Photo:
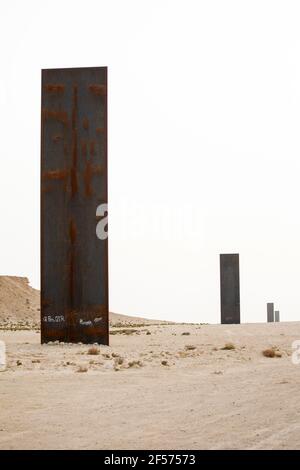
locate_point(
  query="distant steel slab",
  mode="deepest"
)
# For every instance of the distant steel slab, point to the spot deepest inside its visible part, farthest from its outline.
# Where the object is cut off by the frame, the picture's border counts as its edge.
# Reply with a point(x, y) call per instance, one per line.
point(277, 315)
point(230, 288)
point(74, 261)
point(270, 312)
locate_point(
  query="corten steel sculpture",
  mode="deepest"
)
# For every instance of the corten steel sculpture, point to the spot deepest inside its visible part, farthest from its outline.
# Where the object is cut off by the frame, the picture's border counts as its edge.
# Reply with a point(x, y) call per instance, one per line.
point(230, 288)
point(277, 316)
point(74, 260)
point(270, 312)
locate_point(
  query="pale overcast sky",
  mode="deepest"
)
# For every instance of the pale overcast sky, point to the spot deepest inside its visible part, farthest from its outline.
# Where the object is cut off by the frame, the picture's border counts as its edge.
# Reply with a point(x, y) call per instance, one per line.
point(204, 145)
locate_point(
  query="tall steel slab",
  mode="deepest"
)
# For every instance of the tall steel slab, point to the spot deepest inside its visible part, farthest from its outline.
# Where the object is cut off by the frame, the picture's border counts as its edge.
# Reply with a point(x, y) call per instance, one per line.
point(74, 259)
point(230, 288)
point(270, 312)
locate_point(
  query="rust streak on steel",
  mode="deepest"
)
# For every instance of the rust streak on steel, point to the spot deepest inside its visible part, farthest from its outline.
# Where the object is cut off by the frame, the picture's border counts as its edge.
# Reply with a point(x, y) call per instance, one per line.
point(72, 236)
point(89, 172)
point(84, 148)
point(57, 115)
point(85, 123)
point(74, 177)
point(98, 90)
point(55, 174)
point(72, 232)
point(66, 150)
point(100, 130)
point(92, 148)
point(54, 88)
point(46, 302)
point(57, 138)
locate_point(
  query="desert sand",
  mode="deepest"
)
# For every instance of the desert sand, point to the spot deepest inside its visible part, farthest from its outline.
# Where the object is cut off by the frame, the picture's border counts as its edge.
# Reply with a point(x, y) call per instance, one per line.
point(157, 386)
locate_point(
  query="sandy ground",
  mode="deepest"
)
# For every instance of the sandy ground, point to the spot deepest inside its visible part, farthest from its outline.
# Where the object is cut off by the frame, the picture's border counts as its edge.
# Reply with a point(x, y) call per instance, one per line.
point(153, 388)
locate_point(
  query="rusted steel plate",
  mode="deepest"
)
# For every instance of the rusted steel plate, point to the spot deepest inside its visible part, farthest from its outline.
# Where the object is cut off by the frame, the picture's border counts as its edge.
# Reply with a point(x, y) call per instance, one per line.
point(270, 312)
point(230, 288)
point(74, 260)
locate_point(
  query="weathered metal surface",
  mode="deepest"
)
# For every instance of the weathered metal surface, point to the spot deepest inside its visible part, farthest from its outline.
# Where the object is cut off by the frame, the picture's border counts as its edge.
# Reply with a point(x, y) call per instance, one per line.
point(277, 316)
point(270, 312)
point(230, 288)
point(74, 261)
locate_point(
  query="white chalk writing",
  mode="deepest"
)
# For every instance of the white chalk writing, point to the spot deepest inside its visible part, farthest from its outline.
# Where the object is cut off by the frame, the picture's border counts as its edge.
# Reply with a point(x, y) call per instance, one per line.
point(54, 318)
point(85, 323)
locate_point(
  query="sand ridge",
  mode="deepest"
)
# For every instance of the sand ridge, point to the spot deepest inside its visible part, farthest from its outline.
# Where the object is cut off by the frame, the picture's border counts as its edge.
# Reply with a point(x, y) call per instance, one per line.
point(19, 303)
point(20, 307)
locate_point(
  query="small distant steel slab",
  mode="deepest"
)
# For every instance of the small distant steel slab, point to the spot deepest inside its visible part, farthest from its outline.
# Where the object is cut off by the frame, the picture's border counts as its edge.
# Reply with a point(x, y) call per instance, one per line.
point(230, 288)
point(74, 261)
point(270, 312)
point(277, 316)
